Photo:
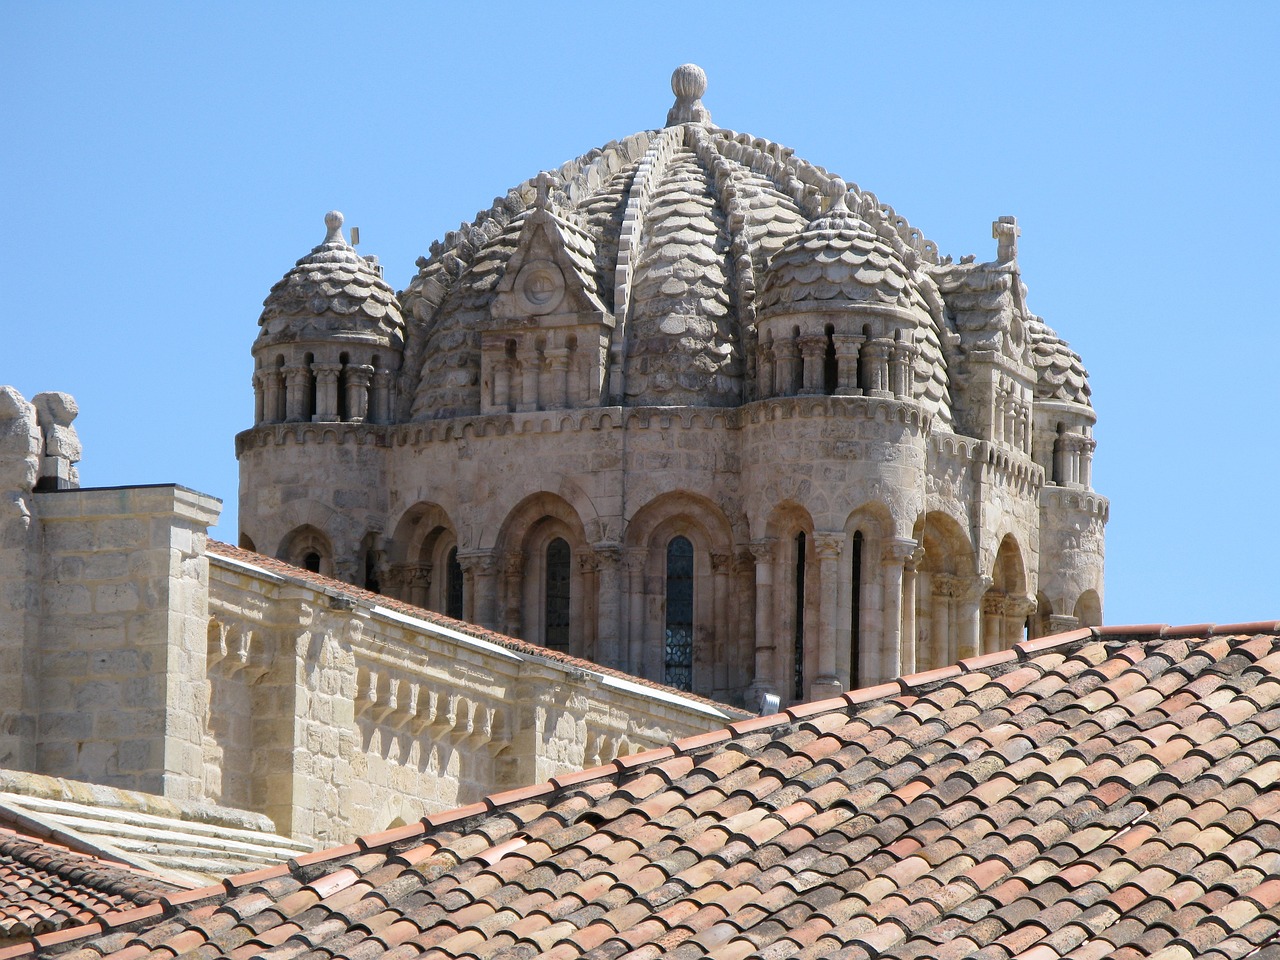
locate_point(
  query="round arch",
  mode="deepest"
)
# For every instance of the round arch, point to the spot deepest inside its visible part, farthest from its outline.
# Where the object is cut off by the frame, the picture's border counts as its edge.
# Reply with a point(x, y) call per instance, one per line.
point(946, 570)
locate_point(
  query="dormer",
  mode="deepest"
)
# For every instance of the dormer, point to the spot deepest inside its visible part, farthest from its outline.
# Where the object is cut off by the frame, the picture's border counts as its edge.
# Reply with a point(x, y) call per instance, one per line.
point(547, 343)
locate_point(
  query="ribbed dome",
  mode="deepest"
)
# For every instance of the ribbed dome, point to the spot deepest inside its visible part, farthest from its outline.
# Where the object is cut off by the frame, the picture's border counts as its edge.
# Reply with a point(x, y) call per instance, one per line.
point(684, 225)
point(332, 293)
point(1060, 373)
point(837, 259)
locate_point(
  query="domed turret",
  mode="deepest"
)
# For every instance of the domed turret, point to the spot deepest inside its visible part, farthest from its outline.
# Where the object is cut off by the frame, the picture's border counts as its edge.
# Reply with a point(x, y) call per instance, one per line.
point(842, 312)
point(331, 337)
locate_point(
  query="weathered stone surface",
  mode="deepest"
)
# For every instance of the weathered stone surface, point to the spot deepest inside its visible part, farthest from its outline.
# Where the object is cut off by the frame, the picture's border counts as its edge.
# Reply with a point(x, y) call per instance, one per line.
point(694, 336)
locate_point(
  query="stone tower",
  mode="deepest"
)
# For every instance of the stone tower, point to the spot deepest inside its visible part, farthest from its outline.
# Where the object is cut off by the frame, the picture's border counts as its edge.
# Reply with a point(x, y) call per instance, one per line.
point(692, 407)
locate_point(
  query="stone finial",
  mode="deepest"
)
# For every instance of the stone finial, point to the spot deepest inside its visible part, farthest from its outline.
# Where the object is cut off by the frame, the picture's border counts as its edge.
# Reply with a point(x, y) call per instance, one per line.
point(1005, 232)
point(688, 83)
point(21, 444)
point(54, 412)
point(542, 184)
point(836, 191)
point(333, 223)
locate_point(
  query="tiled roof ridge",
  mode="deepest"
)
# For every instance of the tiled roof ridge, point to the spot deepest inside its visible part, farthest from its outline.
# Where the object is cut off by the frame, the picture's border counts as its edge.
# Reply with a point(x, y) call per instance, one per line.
point(418, 845)
point(348, 590)
point(103, 874)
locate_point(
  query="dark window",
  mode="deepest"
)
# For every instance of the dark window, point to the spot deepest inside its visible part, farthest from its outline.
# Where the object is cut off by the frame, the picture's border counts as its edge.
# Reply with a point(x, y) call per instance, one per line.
point(830, 366)
point(855, 614)
point(679, 637)
point(558, 557)
point(798, 692)
point(371, 573)
point(311, 562)
point(453, 586)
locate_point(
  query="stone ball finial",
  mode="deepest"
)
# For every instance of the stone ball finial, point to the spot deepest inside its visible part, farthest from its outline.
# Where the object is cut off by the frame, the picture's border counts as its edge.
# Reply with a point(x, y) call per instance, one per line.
point(333, 221)
point(688, 83)
point(836, 190)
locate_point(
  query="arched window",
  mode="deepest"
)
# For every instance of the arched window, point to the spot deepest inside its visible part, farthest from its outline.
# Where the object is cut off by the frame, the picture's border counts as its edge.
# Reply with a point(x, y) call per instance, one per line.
point(855, 612)
point(453, 586)
point(798, 691)
point(311, 562)
point(557, 595)
point(679, 633)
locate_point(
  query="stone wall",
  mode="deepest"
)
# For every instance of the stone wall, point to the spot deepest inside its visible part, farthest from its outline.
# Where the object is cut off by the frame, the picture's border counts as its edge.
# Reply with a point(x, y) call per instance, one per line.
point(360, 712)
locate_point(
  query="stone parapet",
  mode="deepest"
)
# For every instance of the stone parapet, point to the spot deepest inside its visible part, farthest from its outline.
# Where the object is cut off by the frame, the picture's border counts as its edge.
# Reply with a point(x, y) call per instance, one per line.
point(335, 714)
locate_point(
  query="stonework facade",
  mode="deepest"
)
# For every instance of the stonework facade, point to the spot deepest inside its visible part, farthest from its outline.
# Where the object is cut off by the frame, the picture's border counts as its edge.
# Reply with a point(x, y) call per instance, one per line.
point(689, 407)
point(138, 655)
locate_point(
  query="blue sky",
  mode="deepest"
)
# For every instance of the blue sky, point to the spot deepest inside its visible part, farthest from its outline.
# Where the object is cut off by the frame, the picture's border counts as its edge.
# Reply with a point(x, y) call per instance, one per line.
point(165, 163)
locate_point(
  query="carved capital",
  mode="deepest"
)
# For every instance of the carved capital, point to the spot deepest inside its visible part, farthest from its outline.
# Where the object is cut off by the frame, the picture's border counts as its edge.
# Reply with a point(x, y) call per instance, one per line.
point(762, 549)
point(721, 562)
point(828, 545)
point(899, 550)
point(477, 563)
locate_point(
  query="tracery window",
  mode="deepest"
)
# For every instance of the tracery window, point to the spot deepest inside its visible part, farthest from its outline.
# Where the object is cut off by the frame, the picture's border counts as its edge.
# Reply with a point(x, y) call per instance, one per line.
point(453, 585)
point(557, 595)
point(679, 627)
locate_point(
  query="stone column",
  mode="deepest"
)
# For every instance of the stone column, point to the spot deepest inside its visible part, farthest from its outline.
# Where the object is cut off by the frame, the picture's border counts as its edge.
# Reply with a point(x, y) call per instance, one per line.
point(1087, 446)
point(297, 393)
point(875, 366)
point(896, 553)
point(382, 396)
point(326, 391)
point(610, 605)
point(721, 565)
point(827, 548)
point(480, 601)
point(272, 396)
point(584, 608)
point(634, 560)
point(992, 621)
point(513, 591)
point(558, 375)
point(909, 638)
point(762, 551)
point(942, 651)
point(764, 375)
point(848, 346)
point(529, 370)
point(502, 385)
point(970, 596)
point(813, 351)
point(900, 368)
point(259, 396)
point(358, 377)
point(785, 368)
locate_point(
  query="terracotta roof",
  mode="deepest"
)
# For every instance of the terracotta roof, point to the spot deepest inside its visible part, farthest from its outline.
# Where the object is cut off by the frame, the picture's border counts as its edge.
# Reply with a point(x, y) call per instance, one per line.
point(1105, 792)
point(344, 589)
point(45, 886)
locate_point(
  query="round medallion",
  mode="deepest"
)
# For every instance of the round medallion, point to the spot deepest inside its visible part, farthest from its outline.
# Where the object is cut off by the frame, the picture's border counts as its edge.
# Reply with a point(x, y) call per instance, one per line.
point(541, 286)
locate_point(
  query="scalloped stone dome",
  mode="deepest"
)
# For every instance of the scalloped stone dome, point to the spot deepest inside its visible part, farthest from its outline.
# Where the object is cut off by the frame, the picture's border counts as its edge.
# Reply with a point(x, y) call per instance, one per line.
point(1060, 373)
point(332, 293)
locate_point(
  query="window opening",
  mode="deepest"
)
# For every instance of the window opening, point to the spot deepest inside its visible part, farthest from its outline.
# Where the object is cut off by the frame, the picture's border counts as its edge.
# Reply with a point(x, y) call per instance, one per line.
point(371, 573)
point(798, 691)
point(311, 562)
point(830, 367)
point(679, 634)
point(453, 586)
point(557, 599)
point(855, 614)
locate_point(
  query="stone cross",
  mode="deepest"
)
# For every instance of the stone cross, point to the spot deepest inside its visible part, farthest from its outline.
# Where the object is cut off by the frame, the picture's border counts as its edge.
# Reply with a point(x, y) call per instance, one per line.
point(1005, 232)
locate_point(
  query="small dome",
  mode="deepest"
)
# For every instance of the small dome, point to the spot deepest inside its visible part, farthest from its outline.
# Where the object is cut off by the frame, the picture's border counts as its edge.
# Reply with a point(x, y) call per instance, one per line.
point(1060, 373)
point(837, 258)
point(332, 292)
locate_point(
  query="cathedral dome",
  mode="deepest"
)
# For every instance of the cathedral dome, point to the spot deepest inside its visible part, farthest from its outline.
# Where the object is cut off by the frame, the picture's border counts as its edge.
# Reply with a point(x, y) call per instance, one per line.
point(332, 293)
point(1060, 373)
point(685, 225)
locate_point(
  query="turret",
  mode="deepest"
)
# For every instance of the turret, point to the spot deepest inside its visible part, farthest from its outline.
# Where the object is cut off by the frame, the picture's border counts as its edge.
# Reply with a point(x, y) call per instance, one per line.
point(331, 339)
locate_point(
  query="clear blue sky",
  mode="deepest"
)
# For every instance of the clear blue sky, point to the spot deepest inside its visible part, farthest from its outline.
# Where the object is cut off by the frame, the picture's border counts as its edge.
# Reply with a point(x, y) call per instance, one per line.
point(164, 163)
